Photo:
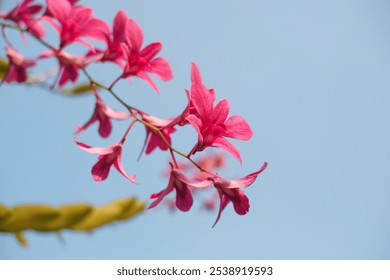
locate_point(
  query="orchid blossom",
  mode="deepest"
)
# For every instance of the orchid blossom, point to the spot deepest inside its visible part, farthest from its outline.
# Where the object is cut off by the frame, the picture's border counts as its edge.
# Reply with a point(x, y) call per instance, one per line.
point(153, 139)
point(182, 184)
point(230, 191)
point(114, 50)
point(26, 13)
point(75, 22)
point(69, 65)
point(103, 115)
point(211, 122)
point(18, 65)
point(108, 156)
point(141, 61)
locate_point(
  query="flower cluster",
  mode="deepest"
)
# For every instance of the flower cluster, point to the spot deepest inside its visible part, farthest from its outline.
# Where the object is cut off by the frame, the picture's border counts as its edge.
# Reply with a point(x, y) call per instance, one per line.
point(124, 47)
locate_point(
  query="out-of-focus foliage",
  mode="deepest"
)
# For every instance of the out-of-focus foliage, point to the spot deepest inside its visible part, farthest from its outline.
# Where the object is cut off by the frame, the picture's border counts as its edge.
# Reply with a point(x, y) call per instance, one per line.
point(3, 67)
point(80, 89)
point(76, 217)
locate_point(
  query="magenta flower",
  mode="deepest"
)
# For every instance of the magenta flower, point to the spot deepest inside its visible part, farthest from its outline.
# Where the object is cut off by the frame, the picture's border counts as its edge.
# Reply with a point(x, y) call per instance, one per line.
point(230, 191)
point(26, 13)
point(153, 139)
point(114, 50)
point(68, 65)
point(211, 122)
point(182, 184)
point(113, 41)
point(108, 156)
point(140, 62)
point(103, 115)
point(190, 108)
point(18, 65)
point(75, 21)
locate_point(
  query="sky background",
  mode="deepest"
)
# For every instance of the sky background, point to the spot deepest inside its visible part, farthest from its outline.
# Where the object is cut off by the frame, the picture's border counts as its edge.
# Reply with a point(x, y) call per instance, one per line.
point(312, 79)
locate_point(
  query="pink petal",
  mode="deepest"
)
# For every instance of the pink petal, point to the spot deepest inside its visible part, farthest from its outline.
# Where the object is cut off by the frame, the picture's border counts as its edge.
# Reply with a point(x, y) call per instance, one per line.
point(195, 74)
point(118, 165)
point(81, 15)
point(96, 29)
point(202, 101)
point(226, 145)
point(184, 199)
point(213, 94)
point(195, 182)
point(101, 169)
point(18, 59)
point(143, 75)
point(46, 54)
point(105, 126)
point(33, 9)
point(162, 193)
point(157, 121)
point(115, 114)
point(61, 10)
point(134, 35)
point(161, 68)
point(240, 201)
point(150, 50)
point(69, 72)
point(119, 26)
point(238, 128)
point(21, 74)
point(221, 111)
point(95, 150)
point(153, 143)
point(156, 141)
point(223, 202)
point(36, 27)
point(247, 180)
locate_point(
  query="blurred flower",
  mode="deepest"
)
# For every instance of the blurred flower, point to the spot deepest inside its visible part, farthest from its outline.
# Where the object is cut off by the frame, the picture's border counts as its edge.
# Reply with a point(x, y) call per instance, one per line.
point(26, 13)
point(18, 65)
point(182, 184)
point(75, 21)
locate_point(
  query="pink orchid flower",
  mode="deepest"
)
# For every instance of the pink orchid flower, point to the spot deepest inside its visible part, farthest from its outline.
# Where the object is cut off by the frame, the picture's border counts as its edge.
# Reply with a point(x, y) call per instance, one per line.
point(103, 115)
point(182, 184)
point(68, 65)
point(211, 122)
point(140, 62)
point(153, 139)
point(230, 191)
point(190, 109)
point(18, 65)
point(108, 156)
point(113, 41)
point(114, 50)
point(26, 13)
point(75, 21)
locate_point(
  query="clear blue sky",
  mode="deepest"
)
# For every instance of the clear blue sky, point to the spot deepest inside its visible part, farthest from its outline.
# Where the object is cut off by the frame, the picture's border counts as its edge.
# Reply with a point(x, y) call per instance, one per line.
point(311, 77)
